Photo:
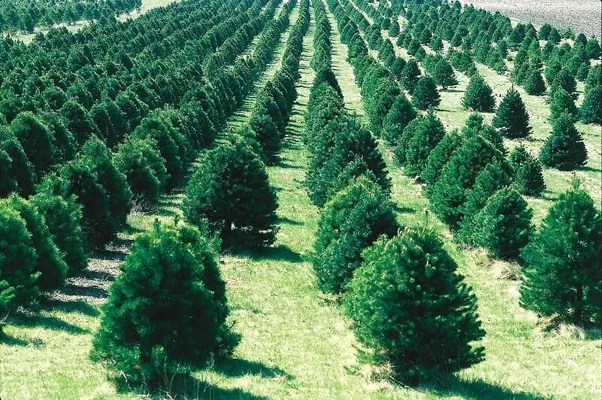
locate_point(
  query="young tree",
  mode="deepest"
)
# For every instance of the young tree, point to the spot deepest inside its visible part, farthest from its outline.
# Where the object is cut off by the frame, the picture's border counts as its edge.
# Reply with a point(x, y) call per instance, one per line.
point(266, 133)
point(528, 174)
point(230, 189)
point(166, 311)
point(478, 96)
point(511, 117)
point(425, 138)
point(591, 109)
point(410, 75)
point(564, 149)
point(437, 159)
point(563, 271)
point(444, 74)
point(503, 226)
point(410, 307)
point(20, 169)
point(426, 94)
point(398, 117)
point(534, 84)
point(36, 140)
point(565, 80)
point(562, 102)
point(354, 218)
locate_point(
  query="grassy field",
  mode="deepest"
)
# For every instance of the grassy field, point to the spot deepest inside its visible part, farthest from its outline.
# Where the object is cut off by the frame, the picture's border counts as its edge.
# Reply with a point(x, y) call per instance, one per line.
point(295, 342)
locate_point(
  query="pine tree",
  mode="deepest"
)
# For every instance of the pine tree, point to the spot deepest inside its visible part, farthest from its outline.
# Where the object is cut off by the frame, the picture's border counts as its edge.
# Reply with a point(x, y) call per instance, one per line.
point(440, 155)
point(562, 102)
point(563, 271)
point(50, 263)
point(564, 149)
point(266, 133)
point(458, 176)
point(478, 96)
point(534, 84)
point(410, 75)
point(426, 94)
point(591, 109)
point(354, 218)
point(167, 310)
point(21, 169)
point(398, 117)
point(565, 80)
point(503, 226)
point(511, 117)
point(444, 74)
point(412, 309)
point(397, 67)
point(528, 174)
point(424, 139)
point(230, 189)
point(36, 140)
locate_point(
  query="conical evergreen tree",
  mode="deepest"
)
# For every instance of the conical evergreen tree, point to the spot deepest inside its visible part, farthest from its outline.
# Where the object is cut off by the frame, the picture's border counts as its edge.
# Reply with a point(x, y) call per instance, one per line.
point(21, 169)
point(266, 132)
point(36, 140)
point(534, 84)
point(563, 269)
point(562, 102)
point(425, 138)
point(503, 226)
point(398, 117)
point(591, 109)
point(565, 80)
point(528, 175)
point(411, 307)
point(354, 218)
point(440, 155)
point(458, 176)
point(444, 74)
point(426, 94)
point(182, 320)
point(410, 75)
point(478, 96)
point(564, 148)
point(230, 189)
point(511, 117)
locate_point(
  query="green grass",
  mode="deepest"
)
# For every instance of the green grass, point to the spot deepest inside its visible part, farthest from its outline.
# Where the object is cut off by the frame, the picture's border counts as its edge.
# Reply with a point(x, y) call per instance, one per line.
point(295, 342)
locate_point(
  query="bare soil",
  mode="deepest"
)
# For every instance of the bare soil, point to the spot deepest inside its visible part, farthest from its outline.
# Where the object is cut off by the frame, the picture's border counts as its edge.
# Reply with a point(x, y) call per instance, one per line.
point(579, 15)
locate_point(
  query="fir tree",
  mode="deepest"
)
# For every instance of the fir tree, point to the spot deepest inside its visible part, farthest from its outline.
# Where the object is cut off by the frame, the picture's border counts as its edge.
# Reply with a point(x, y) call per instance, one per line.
point(354, 218)
point(478, 96)
point(167, 310)
point(534, 84)
point(36, 140)
point(565, 80)
point(20, 168)
point(230, 189)
point(444, 74)
point(425, 138)
point(503, 226)
point(564, 149)
point(403, 297)
point(437, 159)
point(562, 102)
point(266, 133)
point(398, 117)
point(426, 94)
point(528, 178)
point(511, 117)
point(410, 75)
point(591, 108)
point(563, 270)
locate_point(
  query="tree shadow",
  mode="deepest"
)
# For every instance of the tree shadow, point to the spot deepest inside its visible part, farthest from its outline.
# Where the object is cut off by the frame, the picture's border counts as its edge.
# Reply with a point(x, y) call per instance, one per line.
point(86, 291)
point(403, 210)
point(285, 165)
point(277, 253)
point(71, 306)
point(189, 387)
point(130, 230)
point(238, 367)
point(12, 341)
point(477, 389)
point(288, 221)
point(589, 169)
point(33, 320)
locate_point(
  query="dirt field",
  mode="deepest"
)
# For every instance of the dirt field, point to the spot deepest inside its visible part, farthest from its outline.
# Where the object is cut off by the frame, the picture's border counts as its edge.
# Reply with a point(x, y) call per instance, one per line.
point(580, 15)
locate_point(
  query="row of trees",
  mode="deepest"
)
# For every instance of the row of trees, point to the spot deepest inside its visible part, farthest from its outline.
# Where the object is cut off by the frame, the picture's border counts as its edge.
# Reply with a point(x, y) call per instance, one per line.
point(18, 15)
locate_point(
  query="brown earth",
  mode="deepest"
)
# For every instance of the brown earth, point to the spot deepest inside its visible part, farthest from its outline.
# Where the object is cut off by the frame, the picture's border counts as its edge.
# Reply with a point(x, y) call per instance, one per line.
point(579, 15)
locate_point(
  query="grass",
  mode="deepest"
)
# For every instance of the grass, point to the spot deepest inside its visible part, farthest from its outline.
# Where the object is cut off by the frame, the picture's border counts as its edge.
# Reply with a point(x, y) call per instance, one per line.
point(295, 343)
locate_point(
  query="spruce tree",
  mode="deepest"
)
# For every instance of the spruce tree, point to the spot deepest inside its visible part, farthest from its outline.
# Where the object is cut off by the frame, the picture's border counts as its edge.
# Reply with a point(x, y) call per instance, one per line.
point(426, 94)
point(410, 75)
point(230, 189)
point(562, 102)
point(166, 311)
point(563, 270)
point(398, 117)
point(591, 108)
point(50, 263)
point(411, 308)
point(458, 176)
point(503, 226)
point(425, 138)
point(534, 84)
point(444, 74)
point(478, 96)
point(564, 149)
point(511, 117)
point(354, 218)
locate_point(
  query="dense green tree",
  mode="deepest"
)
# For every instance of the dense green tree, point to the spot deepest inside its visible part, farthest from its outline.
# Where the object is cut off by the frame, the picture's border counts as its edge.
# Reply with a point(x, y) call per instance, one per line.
point(398, 117)
point(562, 271)
point(565, 80)
point(425, 138)
point(230, 189)
point(426, 94)
point(354, 218)
point(20, 168)
point(410, 75)
point(437, 159)
point(35, 139)
point(562, 102)
point(478, 96)
point(444, 74)
point(528, 175)
point(182, 321)
point(511, 117)
point(534, 84)
point(411, 308)
point(564, 149)
point(591, 108)
point(266, 132)
point(79, 123)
